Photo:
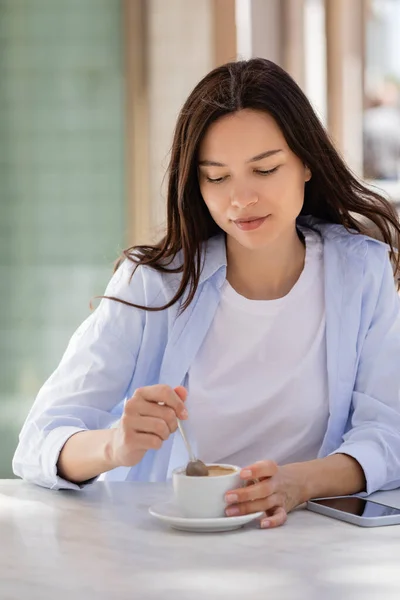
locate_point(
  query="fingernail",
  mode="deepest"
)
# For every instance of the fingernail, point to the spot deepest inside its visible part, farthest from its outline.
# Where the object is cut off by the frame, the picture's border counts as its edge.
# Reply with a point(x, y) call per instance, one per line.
point(245, 473)
point(231, 498)
point(184, 414)
point(233, 511)
point(265, 524)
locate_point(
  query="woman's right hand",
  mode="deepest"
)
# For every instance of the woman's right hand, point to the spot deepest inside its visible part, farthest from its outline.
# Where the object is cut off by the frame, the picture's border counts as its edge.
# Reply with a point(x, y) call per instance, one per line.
point(149, 418)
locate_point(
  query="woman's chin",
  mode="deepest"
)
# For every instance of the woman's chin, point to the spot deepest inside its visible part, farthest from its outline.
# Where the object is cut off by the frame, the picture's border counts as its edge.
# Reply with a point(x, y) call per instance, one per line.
point(251, 242)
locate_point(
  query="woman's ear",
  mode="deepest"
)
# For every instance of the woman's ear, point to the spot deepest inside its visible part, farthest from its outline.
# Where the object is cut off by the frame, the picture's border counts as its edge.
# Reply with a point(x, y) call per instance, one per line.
point(307, 173)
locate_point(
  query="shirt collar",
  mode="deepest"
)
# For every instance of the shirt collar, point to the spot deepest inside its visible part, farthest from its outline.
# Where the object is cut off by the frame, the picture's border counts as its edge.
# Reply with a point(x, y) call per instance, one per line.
point(214, 249)
point(214, 259)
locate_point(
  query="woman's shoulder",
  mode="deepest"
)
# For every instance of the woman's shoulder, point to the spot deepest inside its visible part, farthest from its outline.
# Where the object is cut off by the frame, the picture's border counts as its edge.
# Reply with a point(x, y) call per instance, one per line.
point(212, 258)
point(339, 238)
point(364, 259)
point(133, 278)
point(141, 284)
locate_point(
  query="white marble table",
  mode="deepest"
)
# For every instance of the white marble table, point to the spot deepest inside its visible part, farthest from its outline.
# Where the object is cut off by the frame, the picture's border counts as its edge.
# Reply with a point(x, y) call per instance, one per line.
point(101, 544)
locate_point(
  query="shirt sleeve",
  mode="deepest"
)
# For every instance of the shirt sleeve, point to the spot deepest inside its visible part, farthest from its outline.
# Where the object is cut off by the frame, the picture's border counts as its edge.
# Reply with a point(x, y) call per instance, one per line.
point(374, 436)
point(91, 379)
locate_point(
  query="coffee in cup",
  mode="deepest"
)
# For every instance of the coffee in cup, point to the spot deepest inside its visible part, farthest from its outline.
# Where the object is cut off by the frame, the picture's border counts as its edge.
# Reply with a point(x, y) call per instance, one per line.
point(218, 471)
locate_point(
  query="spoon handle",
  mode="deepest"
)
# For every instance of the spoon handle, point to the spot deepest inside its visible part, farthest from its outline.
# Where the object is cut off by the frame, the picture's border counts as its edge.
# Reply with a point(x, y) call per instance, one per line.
point(186, 441)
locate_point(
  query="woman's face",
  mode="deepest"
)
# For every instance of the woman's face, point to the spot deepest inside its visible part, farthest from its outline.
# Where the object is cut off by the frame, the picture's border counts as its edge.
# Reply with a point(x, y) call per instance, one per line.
point(251, 182)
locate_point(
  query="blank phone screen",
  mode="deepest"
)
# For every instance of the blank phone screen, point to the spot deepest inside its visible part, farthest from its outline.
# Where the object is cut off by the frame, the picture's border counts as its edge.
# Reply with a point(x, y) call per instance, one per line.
point(359, 506)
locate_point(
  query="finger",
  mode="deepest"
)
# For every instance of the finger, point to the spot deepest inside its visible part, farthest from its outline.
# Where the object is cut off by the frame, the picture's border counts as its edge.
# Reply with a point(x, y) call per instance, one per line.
point(151, 425)
point(276, 517)
point(182, 392)
point(148, 441)
point(259, 470)
point(246, 508)
point(160, 393)
point(167, 414)
point(257, 491)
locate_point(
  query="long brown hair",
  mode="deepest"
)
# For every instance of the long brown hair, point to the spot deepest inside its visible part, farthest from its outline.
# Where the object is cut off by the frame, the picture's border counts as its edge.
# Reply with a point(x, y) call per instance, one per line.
point(333, 194)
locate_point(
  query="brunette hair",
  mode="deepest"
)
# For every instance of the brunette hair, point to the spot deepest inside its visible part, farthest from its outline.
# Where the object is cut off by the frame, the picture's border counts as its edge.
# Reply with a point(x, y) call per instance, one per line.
point(333, 194)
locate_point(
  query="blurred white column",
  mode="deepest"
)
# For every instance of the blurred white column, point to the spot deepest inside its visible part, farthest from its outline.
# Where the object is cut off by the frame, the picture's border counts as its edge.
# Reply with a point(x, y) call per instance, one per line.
point(293, 46)
point(315, 56)
point(180, 52)
point(277, 33)
point(225, 41)
point(243, 10)
point(169, 46)
point(266, 29)
point(345, 31)
point(138, 208)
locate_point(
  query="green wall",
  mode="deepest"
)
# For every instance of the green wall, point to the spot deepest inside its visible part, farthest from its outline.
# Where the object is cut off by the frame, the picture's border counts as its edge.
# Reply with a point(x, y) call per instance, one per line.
point(61, 185)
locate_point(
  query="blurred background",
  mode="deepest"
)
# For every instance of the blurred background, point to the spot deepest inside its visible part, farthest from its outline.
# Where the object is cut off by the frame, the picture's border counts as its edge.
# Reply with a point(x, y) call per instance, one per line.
point(89, 94)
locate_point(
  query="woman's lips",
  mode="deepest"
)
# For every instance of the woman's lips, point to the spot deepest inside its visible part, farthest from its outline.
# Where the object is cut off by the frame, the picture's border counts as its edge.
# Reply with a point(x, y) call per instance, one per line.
point(250, 224)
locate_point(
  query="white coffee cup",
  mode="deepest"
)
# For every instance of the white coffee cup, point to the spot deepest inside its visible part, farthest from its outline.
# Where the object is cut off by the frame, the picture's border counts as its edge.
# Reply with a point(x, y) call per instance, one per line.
point(204, 497)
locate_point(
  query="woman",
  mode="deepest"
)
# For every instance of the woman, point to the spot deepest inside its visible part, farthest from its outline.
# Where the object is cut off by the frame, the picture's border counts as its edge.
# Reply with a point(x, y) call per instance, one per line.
point(265, 314)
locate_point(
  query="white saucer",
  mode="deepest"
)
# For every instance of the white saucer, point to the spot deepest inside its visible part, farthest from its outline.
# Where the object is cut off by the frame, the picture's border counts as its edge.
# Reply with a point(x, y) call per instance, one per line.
point(170, 514)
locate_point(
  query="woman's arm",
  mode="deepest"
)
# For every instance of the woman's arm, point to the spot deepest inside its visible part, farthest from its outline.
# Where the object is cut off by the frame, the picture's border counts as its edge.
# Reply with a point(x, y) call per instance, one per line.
point(278, 490)
point(335, 475)
point(85, 455)
point(149, 418)
point(92, 378)
point(373, 437)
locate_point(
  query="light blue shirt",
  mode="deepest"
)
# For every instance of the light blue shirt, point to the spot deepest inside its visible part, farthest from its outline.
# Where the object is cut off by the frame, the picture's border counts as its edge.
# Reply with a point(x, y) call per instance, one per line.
point(120, 348)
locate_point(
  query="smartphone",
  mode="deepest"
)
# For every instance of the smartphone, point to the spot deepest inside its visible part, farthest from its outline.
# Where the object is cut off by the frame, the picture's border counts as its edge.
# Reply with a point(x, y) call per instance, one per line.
point(356, 510)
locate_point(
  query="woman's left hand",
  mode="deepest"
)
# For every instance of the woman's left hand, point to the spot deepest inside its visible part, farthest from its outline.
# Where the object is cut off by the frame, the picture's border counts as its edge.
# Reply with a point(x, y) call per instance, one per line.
point(277, 491)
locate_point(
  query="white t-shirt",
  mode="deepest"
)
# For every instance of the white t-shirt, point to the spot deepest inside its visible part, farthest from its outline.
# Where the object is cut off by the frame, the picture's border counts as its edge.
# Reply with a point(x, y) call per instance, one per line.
point(258, 386)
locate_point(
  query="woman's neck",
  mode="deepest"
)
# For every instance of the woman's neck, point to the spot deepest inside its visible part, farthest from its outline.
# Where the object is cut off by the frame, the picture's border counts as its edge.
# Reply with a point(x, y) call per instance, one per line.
point(267, 273)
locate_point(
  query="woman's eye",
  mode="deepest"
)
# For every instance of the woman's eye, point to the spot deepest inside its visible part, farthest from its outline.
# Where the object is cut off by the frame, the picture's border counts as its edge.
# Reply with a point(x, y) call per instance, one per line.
point(217, 180)
point(258, 171)
point(269, 172)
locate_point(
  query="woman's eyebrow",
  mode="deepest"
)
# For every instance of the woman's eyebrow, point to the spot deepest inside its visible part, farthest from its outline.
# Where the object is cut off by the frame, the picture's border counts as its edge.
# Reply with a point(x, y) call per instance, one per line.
point(214, 163)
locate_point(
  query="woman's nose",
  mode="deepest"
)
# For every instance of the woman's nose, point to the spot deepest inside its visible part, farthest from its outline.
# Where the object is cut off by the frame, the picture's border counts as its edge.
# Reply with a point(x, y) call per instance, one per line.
point(243, 198)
